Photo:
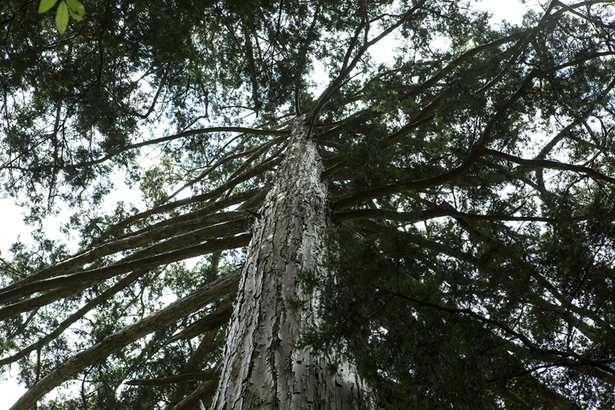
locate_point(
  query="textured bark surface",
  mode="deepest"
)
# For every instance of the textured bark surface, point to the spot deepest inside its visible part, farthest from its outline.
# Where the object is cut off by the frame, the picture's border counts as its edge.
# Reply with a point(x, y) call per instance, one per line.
point(262, 369)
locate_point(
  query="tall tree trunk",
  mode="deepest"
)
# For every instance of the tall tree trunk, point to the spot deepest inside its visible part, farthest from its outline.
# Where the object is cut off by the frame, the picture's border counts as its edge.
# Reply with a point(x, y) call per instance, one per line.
point(262, 368)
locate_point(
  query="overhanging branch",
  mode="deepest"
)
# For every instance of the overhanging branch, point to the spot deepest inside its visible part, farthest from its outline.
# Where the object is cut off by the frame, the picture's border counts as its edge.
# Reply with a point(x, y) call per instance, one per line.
point(89, 277)
point(178, 378)
point(543, 163)
point(206, 294)
point(430, 214)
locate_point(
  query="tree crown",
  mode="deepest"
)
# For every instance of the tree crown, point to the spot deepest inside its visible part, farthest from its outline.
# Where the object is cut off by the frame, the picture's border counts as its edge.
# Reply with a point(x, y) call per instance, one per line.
point(470, 187)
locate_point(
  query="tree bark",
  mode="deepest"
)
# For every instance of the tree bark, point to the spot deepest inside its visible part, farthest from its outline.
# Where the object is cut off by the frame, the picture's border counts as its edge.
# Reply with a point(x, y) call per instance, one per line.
point(262, 366)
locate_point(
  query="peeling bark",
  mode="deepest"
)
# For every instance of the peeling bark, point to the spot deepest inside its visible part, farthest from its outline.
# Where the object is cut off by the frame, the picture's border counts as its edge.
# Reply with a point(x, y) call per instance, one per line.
point(262, 368)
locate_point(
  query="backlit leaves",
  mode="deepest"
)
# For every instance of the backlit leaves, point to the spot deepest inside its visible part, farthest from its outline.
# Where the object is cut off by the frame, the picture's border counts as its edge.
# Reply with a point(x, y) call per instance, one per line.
point(66, 7)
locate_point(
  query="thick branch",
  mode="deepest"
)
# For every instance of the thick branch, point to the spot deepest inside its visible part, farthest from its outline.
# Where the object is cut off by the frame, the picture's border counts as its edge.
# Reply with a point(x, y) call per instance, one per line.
point(543, 163)
point(475, 153)
point(90, 277)
point(339, 80)
point(208, 209)
point(226, 229)
point(213, 194)
point(178, 378)
point(430, 214)
point(254, 153)
point(178, 136)
point(209, 322)
point(175, 311)
point(202, 394)
point(133, 241)
point(74, 317)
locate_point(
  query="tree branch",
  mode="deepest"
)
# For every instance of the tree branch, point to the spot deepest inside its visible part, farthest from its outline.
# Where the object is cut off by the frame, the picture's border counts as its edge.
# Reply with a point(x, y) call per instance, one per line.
point(210, 322)
point(132, 241)
point(339, 80)
point(89, 277)
point(430, 214)
point(175, 311)
point(208, 209)
point(178, 378)
point(543, 163)
point(74, 317)
point(475, 153)
point(178, 136)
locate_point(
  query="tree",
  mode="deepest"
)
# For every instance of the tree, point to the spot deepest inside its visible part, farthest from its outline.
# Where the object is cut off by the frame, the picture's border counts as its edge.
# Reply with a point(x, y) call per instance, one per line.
point(433, 231)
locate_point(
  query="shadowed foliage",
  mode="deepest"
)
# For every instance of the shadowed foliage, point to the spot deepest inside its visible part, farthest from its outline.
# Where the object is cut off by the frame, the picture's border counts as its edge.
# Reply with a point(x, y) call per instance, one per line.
point(471, 178)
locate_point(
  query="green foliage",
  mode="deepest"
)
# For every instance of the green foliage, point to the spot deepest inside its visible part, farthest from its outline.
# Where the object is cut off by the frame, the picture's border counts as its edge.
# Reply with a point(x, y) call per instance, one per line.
point(470, 262)
point(74, 7)
point(438, 314)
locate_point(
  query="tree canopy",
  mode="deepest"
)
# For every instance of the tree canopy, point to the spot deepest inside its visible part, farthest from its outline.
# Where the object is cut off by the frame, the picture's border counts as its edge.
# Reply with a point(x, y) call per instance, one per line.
point(471, 188)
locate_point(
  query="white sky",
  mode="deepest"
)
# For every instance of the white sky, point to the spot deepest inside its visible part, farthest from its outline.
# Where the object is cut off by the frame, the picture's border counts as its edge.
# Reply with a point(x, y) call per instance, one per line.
point(12, 225)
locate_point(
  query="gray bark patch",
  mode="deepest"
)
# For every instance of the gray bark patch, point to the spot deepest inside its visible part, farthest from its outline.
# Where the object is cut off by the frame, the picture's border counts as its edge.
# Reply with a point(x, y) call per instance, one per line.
point(262, 368)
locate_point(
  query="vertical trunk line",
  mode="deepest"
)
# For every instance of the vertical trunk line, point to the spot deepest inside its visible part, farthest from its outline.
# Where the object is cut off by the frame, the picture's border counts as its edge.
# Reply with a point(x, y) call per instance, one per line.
point(262, 368)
